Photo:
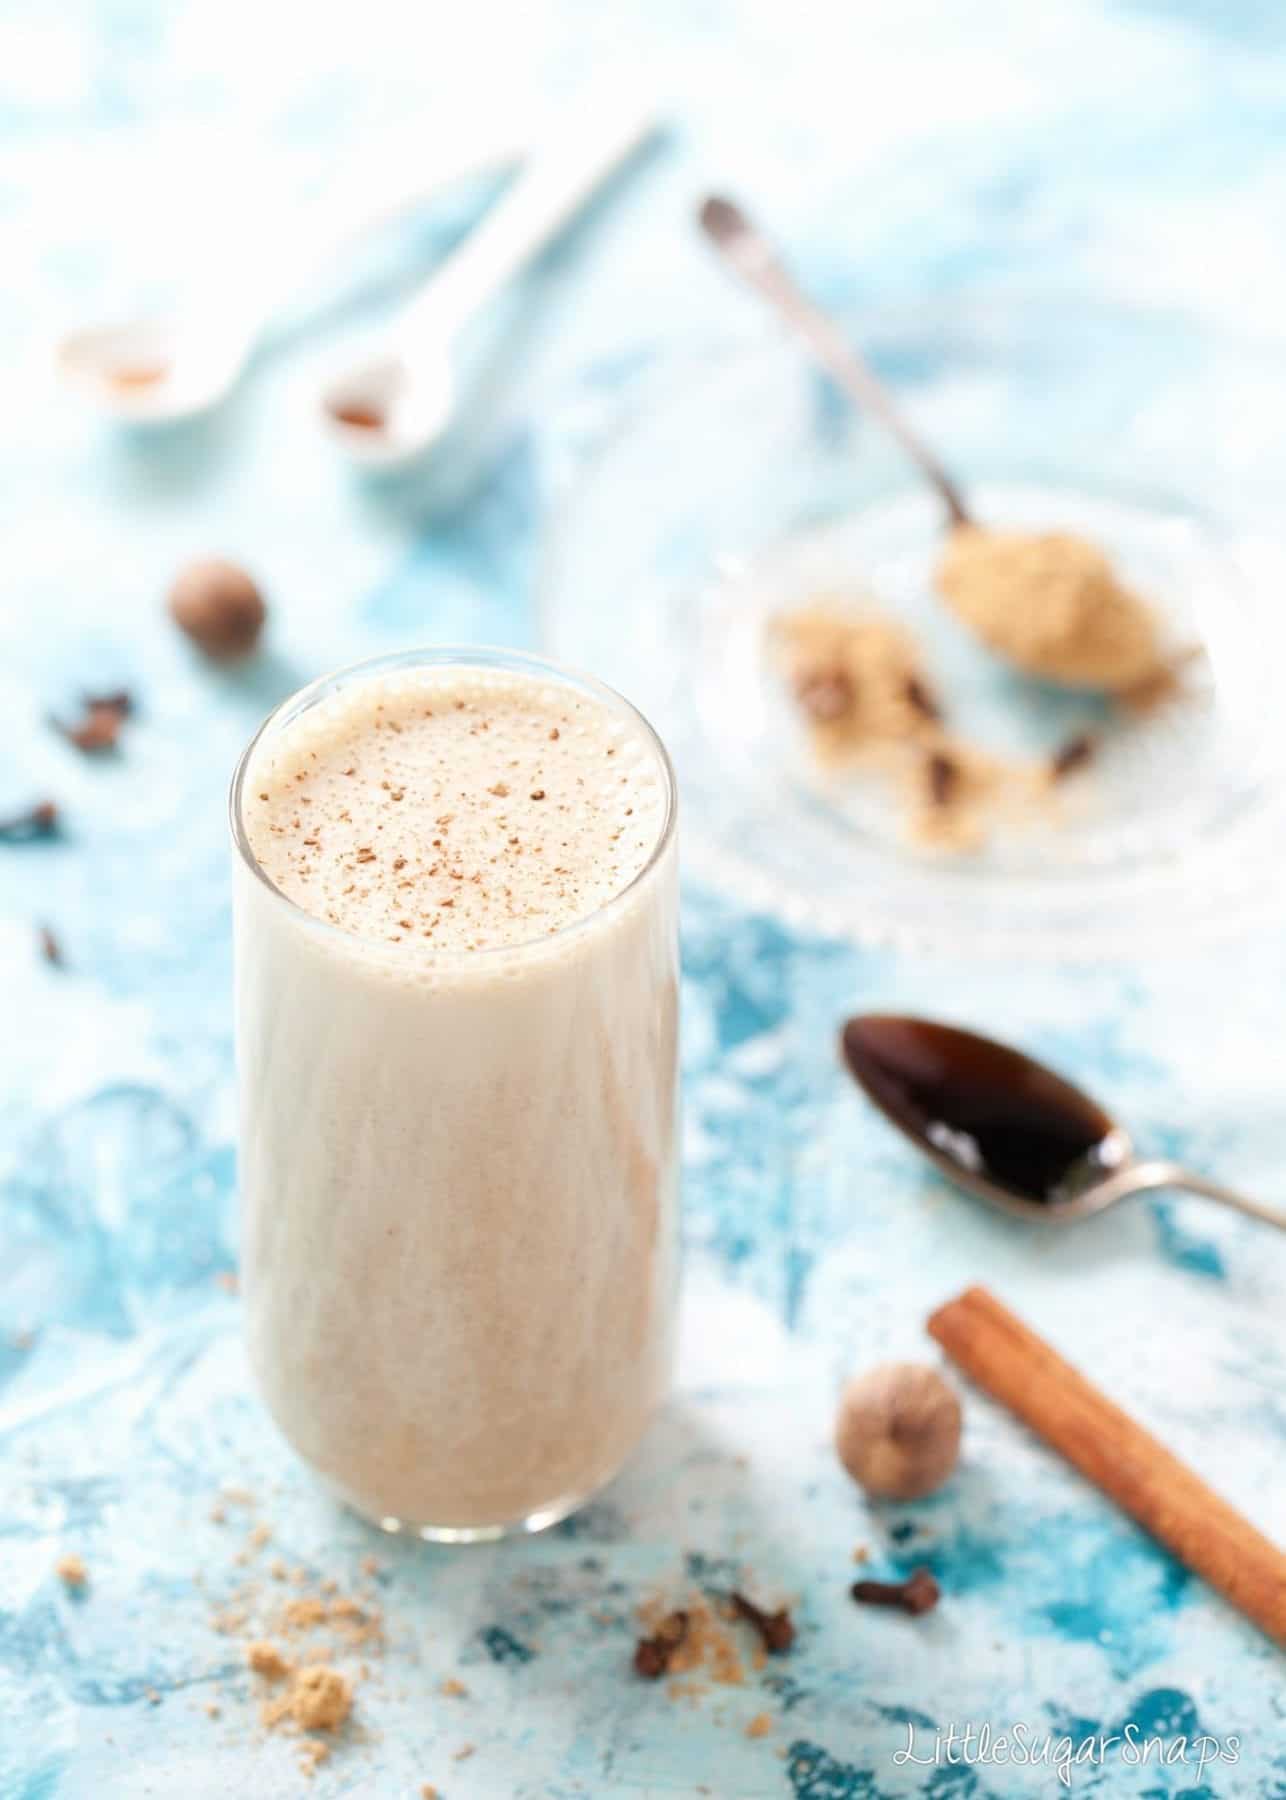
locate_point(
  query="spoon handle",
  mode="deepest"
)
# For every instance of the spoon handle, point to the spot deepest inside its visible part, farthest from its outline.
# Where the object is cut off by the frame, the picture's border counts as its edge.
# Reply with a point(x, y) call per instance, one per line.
point(752, 257)
point(396, 177)
point(544, 197)
point(1138, 1177)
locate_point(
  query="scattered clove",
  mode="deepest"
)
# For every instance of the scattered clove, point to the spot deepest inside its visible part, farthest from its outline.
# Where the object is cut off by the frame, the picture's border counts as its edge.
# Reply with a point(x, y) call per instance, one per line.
point(50, 948)
point(923, 702)
point(919, 1593)
point(118, 700)
point(652, 1654)
point(943, 774)
point(40, 821)
point(1074, 754)
point(776, 1629)
point(99, 726)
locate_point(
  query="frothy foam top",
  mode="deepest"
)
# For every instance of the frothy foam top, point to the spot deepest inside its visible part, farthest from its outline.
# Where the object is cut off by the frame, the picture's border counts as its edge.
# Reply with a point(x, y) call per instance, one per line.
point(453, 808)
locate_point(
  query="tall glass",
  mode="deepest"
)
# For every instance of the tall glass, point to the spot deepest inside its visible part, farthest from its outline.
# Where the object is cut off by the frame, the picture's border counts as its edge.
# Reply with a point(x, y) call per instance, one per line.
point(459, 1180)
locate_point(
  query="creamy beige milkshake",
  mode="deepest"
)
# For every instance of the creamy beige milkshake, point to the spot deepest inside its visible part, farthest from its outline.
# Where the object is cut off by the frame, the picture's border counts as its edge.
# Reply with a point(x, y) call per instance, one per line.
point(456, 1014)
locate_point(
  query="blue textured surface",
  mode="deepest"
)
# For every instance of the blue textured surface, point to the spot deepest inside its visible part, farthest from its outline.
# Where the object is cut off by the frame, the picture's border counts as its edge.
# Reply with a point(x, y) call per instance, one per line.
point(1138, 148)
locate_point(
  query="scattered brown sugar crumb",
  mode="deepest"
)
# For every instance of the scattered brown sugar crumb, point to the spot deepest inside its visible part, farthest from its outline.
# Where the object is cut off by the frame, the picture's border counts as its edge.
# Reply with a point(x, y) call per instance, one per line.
point(861, 1554)
point(759, 1726)
point(320, 1698)
point(453, 1689)
point(428, 1791)
point(259, 1535)
point(230, 1619)
point(213, 1710)
point(265, 1659)
point(355, 1623)
point(71, 1571)
point(312, 1754)
point(464, 1753)
point(304, 1614)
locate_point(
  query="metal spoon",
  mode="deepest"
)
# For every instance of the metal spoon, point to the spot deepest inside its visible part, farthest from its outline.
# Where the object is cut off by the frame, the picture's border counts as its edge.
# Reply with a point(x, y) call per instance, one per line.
point(1004, 1127)
point(755, 261)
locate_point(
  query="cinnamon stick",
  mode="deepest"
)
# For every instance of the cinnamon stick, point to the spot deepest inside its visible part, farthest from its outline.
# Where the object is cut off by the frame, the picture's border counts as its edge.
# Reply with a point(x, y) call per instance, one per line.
point(1209, 1536)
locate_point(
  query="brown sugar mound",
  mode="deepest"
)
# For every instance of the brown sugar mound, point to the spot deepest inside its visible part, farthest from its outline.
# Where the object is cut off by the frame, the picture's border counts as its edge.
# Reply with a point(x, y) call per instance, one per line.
point(860, 682)
point(319, 1698)
point(1050, 603)
point(856, 676)
point(266, 1660)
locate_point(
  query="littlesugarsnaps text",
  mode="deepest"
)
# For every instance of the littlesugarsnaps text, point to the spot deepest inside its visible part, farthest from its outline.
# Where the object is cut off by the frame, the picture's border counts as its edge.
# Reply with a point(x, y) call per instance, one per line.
point(1023, 1746)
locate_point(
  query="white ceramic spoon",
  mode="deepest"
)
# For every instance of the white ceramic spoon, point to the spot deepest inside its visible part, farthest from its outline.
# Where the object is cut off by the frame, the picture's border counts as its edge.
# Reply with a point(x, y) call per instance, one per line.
point(394, 403)
point(161, 370)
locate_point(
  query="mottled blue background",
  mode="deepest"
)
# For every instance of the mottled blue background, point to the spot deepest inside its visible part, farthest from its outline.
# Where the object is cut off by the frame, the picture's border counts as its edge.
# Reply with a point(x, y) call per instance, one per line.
point(1138, 150)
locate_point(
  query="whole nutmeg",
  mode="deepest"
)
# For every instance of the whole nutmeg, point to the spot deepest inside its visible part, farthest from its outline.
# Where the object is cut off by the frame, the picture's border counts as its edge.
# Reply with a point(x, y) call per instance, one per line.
point(898, 1431)
point(219, 607)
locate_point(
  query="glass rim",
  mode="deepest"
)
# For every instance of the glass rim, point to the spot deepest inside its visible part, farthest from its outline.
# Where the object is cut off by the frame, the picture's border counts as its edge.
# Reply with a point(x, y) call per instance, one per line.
point(480, 656)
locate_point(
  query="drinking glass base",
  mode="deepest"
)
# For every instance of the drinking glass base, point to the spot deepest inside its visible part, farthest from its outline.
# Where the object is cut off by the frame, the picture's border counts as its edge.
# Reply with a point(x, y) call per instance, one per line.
point(529, 1523)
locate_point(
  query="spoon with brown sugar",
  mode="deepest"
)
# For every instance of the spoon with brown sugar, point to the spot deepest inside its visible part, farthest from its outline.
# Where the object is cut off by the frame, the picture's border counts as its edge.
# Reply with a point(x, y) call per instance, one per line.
point(1048, 602)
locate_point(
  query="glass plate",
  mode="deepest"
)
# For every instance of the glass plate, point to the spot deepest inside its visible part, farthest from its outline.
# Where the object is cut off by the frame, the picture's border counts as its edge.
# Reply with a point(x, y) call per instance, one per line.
point(749, 486)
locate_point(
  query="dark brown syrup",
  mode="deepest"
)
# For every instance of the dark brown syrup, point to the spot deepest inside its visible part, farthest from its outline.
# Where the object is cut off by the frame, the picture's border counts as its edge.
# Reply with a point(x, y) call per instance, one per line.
point(988, 1109)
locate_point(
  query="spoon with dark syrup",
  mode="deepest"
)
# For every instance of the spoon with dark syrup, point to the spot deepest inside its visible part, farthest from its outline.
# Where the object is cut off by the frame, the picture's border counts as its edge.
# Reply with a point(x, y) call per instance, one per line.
point(1006, 1128)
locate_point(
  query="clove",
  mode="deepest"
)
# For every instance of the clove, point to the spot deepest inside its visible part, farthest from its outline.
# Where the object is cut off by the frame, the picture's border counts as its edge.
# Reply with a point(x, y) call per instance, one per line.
point(39, 821)
point(776, 1630)
point(1074, 754)
point(652, 1654)
point(922, 701)
point(117, 700)
point(919, 1593)
point(99, 726)
point(943, 773)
